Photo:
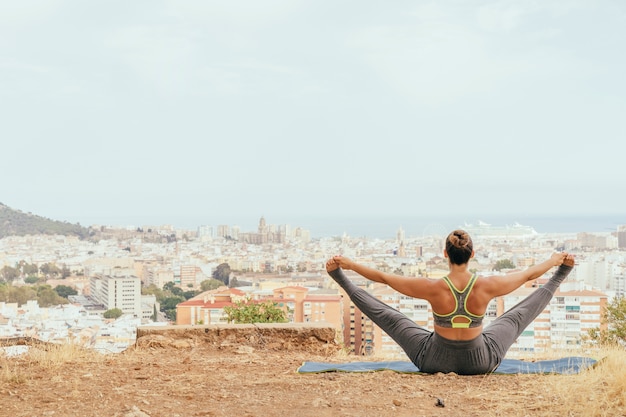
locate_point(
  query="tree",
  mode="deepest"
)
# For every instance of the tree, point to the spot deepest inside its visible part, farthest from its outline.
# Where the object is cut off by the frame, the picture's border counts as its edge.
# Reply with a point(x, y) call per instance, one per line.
point(29, 269)
point(113, 313)
point(251, 312)
point(8, 273)
point(31, 279)
point(65, 272)
point(168, 297)
point(168, 306)
point(65, 291)
point(504, 264)
point(210, 284)
point(20, 295)
point(153, 290)
point(222, 273)
point(43, 294)
point(47, 297)
point(50, 269)
point(614, 319)
point(173, 289)
point(190, 294)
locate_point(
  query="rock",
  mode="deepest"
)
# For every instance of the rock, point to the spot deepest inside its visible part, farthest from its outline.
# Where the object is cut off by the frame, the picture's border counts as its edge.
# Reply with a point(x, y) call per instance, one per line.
point(135, 412)
point(246, 350)
point(181, 344)
point(320, 402)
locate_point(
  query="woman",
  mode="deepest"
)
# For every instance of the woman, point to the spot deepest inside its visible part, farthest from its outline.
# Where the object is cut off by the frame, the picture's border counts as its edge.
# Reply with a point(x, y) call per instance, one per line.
point(459, 301)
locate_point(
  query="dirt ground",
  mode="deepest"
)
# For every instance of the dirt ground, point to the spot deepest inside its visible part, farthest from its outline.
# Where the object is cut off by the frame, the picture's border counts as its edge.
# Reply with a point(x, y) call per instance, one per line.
point(166, 377)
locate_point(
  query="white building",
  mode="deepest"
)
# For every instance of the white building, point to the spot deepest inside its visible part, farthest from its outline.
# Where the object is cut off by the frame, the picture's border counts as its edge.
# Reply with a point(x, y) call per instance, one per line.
point(157, 275)
point(118, 292)
point(149, 307)
point(65, 323)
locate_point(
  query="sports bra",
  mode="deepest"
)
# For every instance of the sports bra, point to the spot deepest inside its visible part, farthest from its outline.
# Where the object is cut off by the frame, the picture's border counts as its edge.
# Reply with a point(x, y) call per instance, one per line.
point(468, 319)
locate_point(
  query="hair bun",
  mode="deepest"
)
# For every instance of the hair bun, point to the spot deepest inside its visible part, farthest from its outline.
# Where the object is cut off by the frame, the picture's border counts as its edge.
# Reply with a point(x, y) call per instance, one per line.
point(459, 247)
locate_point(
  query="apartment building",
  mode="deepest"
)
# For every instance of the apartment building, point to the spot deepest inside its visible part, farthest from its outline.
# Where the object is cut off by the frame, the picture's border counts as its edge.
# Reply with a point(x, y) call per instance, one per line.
point(223, 230)
point(620, 285)
point(205, 233)
point(300, 306)
point(357, 331)
point(208, 307)
point(190, 276)
point(621, 236)
point(562, 324)
point(157, 275)
point(416, 309)
point(149, 308)
point(123, 292)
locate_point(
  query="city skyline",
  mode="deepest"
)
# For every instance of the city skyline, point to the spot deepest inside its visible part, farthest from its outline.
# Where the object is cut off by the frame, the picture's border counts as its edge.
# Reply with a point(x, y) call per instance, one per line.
point(125, 258)
point(163, 112)
point(378, 227)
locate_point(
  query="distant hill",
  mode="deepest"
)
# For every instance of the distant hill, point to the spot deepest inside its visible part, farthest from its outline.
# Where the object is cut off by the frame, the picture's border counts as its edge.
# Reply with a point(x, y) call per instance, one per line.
point(17, 223)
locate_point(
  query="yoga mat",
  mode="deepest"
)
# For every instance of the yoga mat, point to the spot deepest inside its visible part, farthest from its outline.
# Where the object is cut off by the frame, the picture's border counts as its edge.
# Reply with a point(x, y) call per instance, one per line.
point(567, 365)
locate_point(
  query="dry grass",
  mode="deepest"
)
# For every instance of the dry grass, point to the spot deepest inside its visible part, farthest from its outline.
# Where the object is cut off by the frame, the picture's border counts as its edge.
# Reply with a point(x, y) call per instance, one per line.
point(55, 355)
point(45, 356)
point(596, 392)
point(159, 378)
point(600, 391)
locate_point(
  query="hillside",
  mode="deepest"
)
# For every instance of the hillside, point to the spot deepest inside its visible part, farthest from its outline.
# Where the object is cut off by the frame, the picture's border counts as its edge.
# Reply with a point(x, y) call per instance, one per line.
point(17, 223)
point(182, 376)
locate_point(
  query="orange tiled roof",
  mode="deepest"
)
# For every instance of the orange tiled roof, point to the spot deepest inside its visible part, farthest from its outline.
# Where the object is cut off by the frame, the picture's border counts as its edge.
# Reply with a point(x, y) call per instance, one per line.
point(203, 304)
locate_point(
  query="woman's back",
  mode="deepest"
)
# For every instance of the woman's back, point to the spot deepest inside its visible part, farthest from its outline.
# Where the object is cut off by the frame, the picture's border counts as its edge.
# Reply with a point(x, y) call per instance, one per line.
point(459, 306)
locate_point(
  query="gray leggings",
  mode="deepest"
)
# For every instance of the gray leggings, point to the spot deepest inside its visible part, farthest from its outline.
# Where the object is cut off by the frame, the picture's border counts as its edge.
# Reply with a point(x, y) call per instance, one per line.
point(433, 353)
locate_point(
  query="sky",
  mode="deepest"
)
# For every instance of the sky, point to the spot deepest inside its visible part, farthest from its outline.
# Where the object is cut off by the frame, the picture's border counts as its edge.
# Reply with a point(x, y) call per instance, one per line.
point(202, 112)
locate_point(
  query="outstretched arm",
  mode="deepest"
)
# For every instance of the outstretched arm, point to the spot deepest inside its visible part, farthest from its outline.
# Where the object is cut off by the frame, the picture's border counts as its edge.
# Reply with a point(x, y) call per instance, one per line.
point(499, 285)
point(414, 287)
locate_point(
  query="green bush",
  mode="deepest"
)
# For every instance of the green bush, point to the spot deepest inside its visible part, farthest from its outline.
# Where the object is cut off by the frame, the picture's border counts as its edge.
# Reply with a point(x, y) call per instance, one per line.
point(251, 312)
point(113, 313)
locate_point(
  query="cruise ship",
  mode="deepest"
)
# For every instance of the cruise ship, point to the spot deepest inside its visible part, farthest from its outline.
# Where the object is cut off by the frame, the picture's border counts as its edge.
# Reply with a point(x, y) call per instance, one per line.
point(487, 230)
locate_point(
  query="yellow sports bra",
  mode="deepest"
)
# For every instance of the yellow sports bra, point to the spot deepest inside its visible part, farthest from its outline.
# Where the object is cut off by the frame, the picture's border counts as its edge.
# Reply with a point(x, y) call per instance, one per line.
point(467, 319)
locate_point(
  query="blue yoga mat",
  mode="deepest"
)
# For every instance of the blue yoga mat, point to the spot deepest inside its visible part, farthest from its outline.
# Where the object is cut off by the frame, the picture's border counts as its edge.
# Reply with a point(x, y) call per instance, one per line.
point(567, 365)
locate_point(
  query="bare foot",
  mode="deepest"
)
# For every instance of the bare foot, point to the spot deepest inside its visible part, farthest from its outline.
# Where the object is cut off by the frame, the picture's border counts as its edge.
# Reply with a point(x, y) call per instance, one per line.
point(331, 265)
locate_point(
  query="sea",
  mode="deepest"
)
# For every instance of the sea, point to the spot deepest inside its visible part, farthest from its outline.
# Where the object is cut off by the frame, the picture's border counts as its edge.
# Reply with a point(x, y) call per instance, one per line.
point(387, 227)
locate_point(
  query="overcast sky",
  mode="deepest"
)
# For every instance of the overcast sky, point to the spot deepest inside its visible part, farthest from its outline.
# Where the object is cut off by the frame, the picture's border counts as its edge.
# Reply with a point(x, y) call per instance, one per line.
point(201, 109)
